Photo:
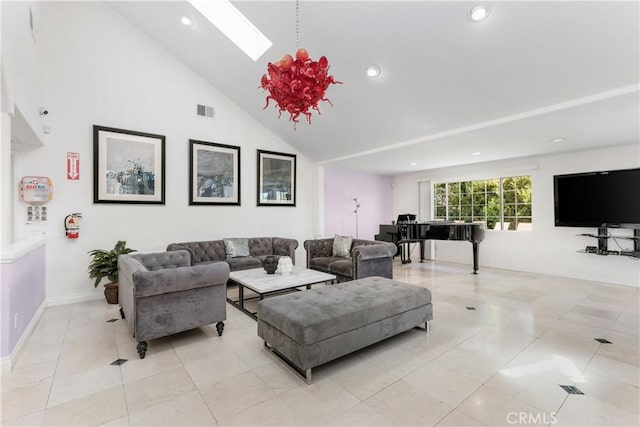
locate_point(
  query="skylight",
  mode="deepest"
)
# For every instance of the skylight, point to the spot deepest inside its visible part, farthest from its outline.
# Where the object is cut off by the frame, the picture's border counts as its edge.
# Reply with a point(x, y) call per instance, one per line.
point(234, 25)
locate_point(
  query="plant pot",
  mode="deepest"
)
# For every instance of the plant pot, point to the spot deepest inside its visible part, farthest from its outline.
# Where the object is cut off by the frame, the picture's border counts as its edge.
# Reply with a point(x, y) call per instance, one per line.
point(111, 293)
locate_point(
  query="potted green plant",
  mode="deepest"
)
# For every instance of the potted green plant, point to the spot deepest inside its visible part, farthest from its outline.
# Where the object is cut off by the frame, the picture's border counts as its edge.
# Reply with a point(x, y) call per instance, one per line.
point(105, 265)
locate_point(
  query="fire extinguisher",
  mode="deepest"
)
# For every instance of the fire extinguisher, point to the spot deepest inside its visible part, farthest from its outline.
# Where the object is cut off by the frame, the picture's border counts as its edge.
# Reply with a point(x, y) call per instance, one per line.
point(72, 225)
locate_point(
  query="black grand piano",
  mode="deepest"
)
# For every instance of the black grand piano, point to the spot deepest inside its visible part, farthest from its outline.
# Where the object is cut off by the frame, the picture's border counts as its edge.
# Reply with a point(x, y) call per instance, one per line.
point(407, 231)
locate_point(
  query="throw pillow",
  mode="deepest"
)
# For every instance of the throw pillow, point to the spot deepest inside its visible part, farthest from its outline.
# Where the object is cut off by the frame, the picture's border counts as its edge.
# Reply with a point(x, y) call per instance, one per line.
point(342, 245)
point(236, 247)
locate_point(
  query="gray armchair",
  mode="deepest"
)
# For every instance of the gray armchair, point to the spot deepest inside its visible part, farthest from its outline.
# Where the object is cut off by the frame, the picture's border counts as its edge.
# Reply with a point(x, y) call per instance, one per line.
point(161, 294)
point(367, 258)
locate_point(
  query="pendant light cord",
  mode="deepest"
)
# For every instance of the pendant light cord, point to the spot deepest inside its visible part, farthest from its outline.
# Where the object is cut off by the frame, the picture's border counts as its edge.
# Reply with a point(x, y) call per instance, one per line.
point(297, 24)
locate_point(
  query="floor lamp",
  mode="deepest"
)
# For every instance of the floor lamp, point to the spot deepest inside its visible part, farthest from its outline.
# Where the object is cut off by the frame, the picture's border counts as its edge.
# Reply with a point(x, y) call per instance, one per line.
point(355, 211)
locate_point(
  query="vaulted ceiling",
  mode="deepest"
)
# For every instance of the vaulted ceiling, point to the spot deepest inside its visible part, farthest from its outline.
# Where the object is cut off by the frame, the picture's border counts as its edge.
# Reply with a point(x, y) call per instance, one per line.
point(449, 87)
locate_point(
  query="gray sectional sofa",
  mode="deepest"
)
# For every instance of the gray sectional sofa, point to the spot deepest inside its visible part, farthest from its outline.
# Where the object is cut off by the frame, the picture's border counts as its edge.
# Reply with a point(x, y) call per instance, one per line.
point(211, 251)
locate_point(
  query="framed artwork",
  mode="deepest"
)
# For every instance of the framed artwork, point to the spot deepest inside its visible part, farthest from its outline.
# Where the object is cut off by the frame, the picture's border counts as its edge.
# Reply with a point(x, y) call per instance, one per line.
point(276, 179)
point(214, 173)
point(128, 166)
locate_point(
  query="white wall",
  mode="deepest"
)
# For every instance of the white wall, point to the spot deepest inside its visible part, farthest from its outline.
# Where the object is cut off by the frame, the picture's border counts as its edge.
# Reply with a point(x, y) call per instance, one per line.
point(98, 69)
point(547, 249)
point(22, 53)
point(21, 69)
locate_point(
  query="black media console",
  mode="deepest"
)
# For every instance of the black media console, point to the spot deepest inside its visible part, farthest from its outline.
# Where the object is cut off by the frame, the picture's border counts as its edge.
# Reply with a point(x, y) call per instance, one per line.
point(603, 237)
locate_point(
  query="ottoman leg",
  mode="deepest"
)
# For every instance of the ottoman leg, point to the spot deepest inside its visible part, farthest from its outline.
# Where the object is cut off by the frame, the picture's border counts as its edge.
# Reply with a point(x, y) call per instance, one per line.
point(306, 373)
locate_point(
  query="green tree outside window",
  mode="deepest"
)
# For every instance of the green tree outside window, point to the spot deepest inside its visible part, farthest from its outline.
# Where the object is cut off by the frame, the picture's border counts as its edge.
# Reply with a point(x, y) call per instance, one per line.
point(492, 201)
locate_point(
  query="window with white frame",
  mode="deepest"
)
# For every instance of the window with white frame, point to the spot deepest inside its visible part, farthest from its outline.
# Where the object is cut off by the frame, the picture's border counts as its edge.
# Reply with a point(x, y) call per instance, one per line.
point(501, 203)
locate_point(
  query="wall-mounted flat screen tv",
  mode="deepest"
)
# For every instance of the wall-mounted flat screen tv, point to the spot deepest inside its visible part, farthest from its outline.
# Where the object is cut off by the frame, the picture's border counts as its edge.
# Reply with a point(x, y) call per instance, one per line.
point(596, 199)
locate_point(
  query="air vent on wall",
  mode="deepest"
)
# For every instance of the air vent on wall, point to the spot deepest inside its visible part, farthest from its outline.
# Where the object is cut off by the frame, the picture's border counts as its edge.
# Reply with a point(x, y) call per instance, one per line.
point(205, 110)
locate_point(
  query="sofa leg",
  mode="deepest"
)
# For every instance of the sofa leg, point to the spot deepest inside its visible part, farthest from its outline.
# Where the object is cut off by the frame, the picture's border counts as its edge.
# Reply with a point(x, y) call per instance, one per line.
point(220, 328)
point(142, 349)
point(427, 327)
point(121, 312)
point(308, 376)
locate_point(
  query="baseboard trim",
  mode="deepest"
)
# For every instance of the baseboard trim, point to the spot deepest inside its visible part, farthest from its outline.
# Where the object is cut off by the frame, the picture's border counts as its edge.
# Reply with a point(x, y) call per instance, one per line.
point(7, 362)
point(72, 299)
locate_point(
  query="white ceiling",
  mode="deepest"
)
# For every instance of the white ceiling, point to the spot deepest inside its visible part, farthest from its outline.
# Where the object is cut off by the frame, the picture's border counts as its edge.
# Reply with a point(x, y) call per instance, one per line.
point(504, 87)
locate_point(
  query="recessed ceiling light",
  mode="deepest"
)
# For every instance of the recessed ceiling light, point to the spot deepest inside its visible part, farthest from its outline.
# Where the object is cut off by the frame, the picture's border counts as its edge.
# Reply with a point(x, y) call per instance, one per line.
point(479, 12)
point(559, 140)
point(185, 20)
point(476, 153)
point(373, 71)
point(234, 25)
point(413, 163)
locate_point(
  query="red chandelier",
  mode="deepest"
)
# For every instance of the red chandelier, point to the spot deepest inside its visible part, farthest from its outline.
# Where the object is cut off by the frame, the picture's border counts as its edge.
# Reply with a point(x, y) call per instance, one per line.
point(297, 85)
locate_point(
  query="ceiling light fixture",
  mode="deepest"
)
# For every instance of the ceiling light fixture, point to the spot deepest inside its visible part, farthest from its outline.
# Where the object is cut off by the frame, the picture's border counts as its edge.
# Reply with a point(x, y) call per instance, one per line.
point(297, 85)
point(413, 163)
point(185, 20)
point(234, 25)
point(479, 13)
point(476, 153)
point(558, 140)
point(373, 71)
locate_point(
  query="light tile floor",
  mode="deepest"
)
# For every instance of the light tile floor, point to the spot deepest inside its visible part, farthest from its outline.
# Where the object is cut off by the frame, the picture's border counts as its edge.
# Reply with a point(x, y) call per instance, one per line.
point(500, 364)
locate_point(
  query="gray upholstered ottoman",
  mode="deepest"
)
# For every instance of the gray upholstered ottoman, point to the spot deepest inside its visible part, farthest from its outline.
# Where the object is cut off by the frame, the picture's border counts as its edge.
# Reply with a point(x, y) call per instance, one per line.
point(312, 327)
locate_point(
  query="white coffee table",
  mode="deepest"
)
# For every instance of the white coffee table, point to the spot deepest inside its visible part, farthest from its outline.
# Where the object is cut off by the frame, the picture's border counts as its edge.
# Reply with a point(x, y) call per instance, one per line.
point(263, 284)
